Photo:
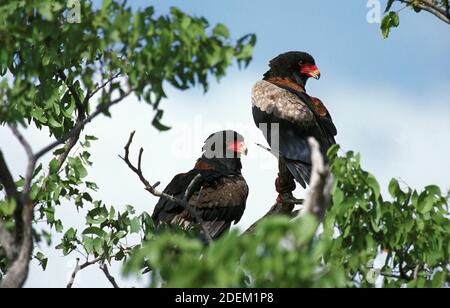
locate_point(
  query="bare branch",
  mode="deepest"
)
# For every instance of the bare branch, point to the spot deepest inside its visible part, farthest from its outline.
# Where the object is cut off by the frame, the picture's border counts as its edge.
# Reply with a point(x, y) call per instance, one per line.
point(428, 5)
point(266, 148)
point(103, 85)
point(190, 187)
point(74, 274)
point(21, 230)
point(7, 180)
point(319, 192)
point(110, 278)
point(31, 160)
point(78, 268)
point(416, 271)
point(152, 188)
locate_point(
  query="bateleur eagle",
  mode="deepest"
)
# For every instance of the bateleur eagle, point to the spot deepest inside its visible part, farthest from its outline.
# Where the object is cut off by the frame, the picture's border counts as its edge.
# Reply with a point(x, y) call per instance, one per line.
point(220, 194)
point(281, 98)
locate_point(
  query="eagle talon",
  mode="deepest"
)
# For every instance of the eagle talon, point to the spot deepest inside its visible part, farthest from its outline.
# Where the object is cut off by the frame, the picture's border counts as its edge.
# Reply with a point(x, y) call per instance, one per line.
point(288, 198)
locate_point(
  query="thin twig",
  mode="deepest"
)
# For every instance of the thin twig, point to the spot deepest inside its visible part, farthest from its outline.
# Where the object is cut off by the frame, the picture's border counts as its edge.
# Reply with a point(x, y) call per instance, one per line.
point(103, 85)
point(266, 149)
point(74, 274)
point(31, 159)
point(152, 188)
point(110, 278)
point(416, 272)
point(427, 5)
point(79, 268)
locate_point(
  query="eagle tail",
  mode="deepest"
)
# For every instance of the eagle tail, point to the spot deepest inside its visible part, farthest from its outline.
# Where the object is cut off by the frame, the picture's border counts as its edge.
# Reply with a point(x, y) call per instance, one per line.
point(300, 171)
point(215, 229)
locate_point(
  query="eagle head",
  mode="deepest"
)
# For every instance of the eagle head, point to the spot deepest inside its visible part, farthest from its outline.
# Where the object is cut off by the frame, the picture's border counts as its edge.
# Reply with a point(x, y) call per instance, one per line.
point(295, 65)
point(225, 144)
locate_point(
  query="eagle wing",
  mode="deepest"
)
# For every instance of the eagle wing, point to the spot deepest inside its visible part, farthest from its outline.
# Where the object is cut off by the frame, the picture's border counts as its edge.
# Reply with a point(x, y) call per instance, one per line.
point(298, 116)
point(218, 202)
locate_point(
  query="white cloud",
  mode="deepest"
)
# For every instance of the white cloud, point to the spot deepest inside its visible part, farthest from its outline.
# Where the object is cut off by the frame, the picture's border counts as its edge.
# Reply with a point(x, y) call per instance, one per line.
point(398, 135)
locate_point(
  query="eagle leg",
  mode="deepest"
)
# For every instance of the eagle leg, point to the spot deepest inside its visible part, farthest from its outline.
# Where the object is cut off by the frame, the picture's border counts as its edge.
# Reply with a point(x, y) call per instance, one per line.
point(285, 183)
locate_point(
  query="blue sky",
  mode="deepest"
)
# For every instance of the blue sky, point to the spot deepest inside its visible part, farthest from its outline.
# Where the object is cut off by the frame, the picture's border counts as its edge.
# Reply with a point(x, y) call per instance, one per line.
point(415, 57)
point(389, 100)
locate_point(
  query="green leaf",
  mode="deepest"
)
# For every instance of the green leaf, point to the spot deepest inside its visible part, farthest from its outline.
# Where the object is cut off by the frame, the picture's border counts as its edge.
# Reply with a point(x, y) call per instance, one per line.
point(395, 19)
point(94, 231)
point(338, 197)
point(427, 205)
point(156, 121)
point(221, 30)
point(91, 138)
point(54, 166)
point(391, 20)
point(373, 183)
point(135, 225)
point(43, 260)
point(7, 207)
point(394, 188)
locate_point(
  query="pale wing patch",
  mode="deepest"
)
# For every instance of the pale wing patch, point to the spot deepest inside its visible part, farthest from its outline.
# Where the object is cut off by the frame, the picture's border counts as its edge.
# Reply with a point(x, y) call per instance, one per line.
point(277, 101)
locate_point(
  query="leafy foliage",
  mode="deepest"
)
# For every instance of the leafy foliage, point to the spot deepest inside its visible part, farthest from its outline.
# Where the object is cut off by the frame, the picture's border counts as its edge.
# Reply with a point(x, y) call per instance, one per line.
point(439, 8)
point(411, 230)
point(50, 70)
point(47, 56)
point(58, 69)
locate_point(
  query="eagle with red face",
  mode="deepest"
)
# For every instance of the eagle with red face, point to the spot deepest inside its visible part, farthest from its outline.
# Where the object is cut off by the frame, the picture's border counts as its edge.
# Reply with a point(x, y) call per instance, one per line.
point(219, 195)
point(287, 115)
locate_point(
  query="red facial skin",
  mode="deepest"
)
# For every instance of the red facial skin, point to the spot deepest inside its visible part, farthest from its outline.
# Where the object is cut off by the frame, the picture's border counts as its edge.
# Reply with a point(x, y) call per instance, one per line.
point(238, 147)
point(310, 70)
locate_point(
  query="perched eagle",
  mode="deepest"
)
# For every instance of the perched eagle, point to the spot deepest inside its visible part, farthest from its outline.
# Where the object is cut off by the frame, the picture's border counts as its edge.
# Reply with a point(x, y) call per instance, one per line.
point(283, 110)
point(219, 195)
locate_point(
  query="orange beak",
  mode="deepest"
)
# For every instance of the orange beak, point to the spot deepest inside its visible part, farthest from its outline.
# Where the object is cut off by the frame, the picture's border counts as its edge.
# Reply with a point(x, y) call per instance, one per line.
point(239, 147)
point(310, 70)
point(242, 148)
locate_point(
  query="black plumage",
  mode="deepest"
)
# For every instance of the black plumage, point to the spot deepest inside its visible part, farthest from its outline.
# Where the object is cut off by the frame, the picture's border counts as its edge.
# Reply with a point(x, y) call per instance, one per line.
point(281, 99)
point(219, 196)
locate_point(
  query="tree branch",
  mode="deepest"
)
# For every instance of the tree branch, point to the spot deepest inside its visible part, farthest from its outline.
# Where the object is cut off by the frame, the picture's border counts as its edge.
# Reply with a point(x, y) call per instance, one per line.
point(110, 278)
point(319, 192)
point(320, 186)
point(396, 276)
point(102, 86)
point(73, 91)
point(7, 243)
point(430, 7)
point(78, 268)
point(81, 116)
point(18, 271)
point(79, 126)
point(31, 161)
point(74, 274)
point(7, 180)
point(152, 188)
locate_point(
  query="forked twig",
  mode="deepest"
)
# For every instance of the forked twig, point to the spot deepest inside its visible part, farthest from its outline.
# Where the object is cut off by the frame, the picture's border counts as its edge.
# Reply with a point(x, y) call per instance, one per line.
point(152, 188)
